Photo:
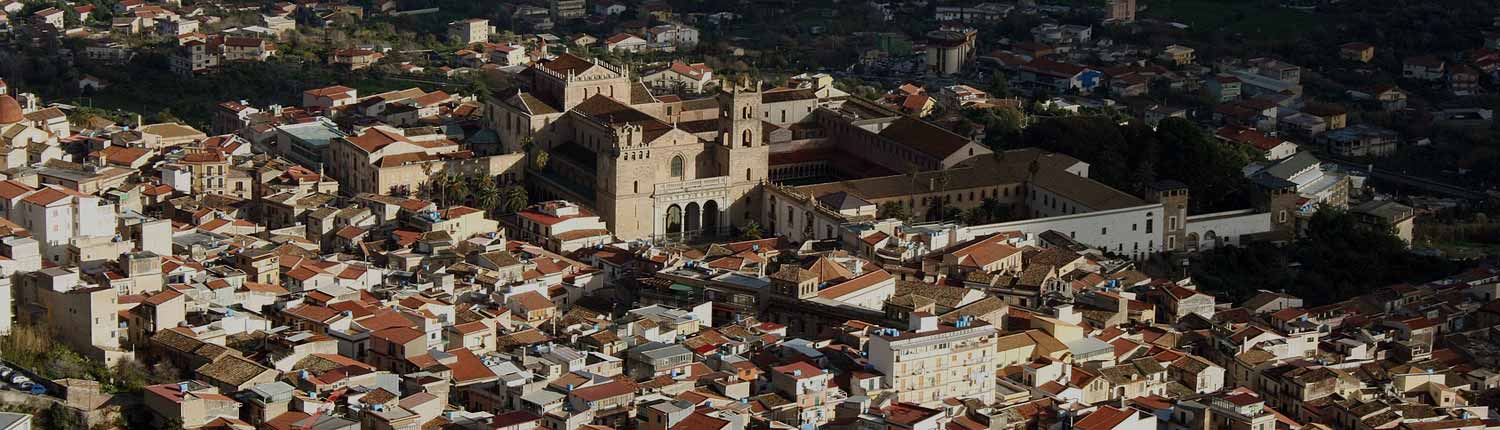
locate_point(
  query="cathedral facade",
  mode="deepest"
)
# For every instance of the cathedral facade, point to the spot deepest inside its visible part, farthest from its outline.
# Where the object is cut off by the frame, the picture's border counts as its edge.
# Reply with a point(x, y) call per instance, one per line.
point(613, 147)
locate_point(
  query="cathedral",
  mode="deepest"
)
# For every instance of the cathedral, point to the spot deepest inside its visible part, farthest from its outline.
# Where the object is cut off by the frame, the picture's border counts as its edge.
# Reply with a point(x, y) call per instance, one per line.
point(650, 168)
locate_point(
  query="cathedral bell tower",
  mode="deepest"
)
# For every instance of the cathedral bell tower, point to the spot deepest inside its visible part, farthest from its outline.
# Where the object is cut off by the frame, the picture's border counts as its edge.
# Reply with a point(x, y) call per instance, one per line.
point(742, 149)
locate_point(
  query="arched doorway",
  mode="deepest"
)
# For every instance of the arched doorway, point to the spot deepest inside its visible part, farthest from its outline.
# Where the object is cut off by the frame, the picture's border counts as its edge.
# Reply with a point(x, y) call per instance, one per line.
point(674, 220)
point(1192, 242)
point(693, 218)
point(711, 218)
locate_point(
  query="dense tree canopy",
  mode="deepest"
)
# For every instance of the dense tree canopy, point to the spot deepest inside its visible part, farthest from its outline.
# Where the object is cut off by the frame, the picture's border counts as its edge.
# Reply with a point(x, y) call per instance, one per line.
point(1132, 156)
point(1336, 259)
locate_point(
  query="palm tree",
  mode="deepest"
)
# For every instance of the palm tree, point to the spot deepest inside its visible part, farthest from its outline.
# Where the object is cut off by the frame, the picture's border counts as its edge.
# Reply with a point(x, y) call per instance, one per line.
point(456, 191)
point(752, 231)
point(435, 189)
point(514, 198)
point(539, 159)
point(941, 180)
point(487, 195)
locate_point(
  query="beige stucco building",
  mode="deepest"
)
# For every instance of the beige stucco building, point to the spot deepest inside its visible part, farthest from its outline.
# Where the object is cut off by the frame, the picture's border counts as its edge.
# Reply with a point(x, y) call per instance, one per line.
point(55, 298)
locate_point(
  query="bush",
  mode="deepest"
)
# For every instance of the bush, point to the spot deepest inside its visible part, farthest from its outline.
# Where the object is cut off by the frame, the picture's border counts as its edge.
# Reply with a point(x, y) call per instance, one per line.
point(35, 349)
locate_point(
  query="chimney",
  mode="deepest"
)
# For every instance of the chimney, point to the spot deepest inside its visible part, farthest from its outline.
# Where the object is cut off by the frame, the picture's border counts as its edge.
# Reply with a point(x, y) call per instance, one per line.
point(1064, 313)
point(998, 420)
point(922, 322)
point(1122, 304)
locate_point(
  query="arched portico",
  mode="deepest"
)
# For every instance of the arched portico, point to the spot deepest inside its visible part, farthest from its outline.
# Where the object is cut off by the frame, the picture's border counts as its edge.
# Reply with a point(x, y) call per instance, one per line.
point(699, 205)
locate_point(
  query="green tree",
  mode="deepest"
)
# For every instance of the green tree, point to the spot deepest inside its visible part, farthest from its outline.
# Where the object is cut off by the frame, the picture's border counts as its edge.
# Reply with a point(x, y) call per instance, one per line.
point(751, 231)
point(975, 216)
point(59, 417)
point(431, 189)
point(1211, 168)
point(1000, 124)
point(486, 194)
point(999, 85)
point(455, 190)
point(892, 210)
point(515, 199)
point(989, 211)
point(535, 153)
point(539, 159)
point(1338, 258)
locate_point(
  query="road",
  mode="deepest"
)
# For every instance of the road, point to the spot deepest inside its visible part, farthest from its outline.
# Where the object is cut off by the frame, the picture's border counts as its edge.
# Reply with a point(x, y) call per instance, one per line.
point(1425, 184)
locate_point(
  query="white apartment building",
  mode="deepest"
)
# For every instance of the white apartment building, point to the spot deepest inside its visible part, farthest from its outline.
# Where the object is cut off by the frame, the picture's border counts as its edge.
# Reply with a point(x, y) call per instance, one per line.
point(56, 217)
point(562, 226)
point(673, 36)
point(931, 362)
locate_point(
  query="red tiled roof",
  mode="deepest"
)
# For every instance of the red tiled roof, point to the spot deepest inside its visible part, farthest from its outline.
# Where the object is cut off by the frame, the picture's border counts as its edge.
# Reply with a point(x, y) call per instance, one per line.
point(264, 288)
point(853, 285)
point(336, 90)
point(162, 297)
point(10, 189)
point(807, 370)
point(302, 273)
point(699, 421)
point(1106, 418)
point(123, 155)
point(204, 157)
point(1054, 68)
point(532, 301)
point(619, 37)
point(467, 368)
point(458, 211)
point(312, 313)
point(1248, 137)
point(907, 414)
point(604, 391)
point(45, 197)
point(375, 138)
point(400, 335)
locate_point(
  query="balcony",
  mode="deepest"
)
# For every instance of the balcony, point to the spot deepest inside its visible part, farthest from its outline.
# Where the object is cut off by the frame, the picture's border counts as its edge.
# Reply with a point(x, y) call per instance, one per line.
point(705, 184)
